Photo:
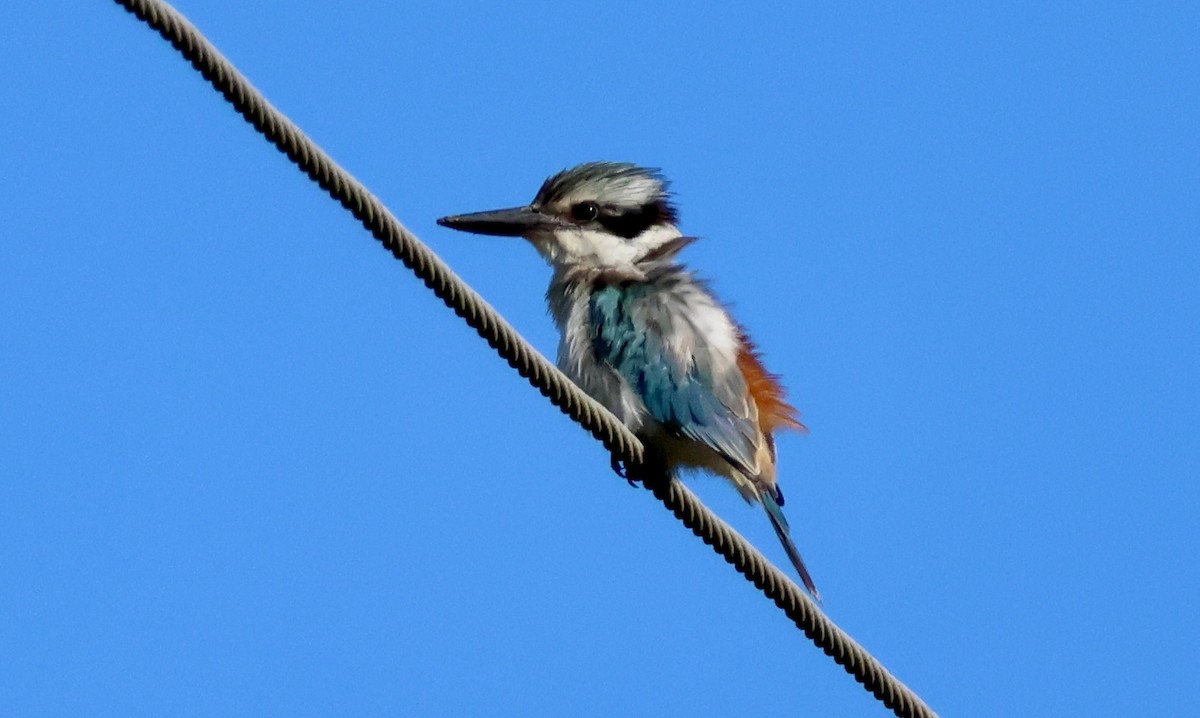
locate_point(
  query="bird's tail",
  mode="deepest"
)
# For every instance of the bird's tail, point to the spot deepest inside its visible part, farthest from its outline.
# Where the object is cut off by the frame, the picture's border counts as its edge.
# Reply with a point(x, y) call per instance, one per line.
point(784, 533)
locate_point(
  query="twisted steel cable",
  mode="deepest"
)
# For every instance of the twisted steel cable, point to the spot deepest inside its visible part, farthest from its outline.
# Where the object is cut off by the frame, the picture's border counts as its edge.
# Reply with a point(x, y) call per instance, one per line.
point(527, 361)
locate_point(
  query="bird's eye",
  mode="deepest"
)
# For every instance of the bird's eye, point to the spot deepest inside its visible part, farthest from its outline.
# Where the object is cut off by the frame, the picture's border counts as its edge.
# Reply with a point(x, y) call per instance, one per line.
point(584, 212)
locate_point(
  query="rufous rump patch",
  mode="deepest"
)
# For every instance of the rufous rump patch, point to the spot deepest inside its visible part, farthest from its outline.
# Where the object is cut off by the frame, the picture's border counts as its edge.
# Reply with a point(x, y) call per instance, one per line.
point(774, 412)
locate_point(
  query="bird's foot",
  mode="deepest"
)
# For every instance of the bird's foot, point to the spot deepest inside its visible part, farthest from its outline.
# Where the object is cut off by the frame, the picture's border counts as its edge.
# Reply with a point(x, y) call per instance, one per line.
point(620, 469)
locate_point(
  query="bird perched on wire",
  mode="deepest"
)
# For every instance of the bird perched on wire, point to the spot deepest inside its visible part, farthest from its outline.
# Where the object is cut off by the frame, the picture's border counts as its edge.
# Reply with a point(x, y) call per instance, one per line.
point(643, 336)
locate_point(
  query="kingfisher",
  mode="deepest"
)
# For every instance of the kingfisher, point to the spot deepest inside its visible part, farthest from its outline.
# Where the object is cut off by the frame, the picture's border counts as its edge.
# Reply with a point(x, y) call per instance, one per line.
point(646, 338)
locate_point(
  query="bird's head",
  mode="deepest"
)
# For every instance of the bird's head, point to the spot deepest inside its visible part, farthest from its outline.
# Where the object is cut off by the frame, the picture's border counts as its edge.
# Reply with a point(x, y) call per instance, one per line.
point(605, 216)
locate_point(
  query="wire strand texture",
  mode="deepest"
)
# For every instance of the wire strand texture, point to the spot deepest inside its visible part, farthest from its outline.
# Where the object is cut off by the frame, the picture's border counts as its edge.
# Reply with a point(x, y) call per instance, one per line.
point(522, 357)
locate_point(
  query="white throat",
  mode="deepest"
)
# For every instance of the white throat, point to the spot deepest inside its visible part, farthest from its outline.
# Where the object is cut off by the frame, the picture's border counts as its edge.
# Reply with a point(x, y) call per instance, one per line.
point(587, 248)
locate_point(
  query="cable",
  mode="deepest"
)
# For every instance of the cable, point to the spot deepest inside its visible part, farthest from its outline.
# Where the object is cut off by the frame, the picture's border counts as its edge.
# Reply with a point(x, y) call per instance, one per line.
point(543, 375)
point(777, 586)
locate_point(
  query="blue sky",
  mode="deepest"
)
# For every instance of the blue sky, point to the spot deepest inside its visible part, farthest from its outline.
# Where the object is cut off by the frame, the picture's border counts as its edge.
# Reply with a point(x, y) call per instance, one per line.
point(251, 467)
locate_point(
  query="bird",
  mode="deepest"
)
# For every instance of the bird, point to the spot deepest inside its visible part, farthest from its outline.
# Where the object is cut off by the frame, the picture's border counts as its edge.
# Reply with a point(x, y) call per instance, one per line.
point(647, 338)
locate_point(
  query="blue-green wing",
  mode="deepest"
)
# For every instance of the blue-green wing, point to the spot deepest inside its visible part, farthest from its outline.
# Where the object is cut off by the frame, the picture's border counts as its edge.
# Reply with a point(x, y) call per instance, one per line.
point(697, 396)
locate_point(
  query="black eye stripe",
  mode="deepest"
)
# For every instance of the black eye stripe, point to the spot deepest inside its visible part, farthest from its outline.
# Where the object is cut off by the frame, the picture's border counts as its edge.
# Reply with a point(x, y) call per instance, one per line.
point(629, 223)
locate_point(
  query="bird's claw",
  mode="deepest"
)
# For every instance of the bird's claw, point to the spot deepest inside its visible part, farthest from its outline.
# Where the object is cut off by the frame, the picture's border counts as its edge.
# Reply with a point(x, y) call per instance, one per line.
point(620, 469)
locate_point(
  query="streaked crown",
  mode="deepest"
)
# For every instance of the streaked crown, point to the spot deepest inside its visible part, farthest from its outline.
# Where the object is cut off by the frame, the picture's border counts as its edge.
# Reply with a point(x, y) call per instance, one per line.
point(621, 197)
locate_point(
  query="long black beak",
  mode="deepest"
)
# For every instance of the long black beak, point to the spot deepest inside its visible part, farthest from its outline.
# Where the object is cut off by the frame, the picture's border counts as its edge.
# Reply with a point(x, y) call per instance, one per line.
point(499, 222)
